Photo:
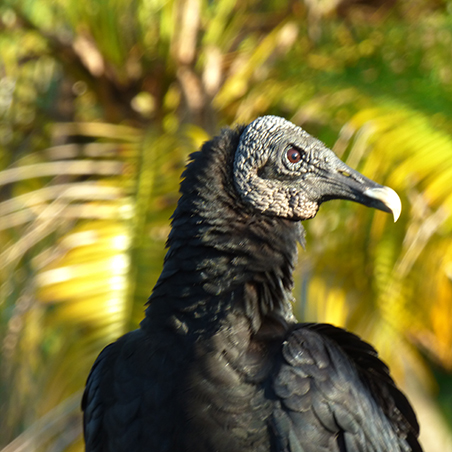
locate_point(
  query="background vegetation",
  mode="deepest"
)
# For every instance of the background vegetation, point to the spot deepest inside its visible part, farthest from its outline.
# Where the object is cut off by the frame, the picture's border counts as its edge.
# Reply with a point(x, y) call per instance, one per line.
point(101, 102)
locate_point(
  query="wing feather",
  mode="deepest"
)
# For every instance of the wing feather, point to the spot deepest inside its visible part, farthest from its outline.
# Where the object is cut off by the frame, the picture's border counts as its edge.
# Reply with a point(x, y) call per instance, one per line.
point(338, 397)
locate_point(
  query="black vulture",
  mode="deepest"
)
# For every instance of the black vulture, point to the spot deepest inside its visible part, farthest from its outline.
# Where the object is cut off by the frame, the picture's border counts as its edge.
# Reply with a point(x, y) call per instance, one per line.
point(219, 363)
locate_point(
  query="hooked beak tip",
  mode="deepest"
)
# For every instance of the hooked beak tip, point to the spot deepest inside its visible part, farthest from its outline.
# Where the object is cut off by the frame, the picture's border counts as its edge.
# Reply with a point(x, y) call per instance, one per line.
point(386, 199)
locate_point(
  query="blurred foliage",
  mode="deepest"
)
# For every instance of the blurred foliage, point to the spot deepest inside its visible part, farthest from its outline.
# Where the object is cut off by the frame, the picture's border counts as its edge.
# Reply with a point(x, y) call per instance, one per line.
point(100, 104)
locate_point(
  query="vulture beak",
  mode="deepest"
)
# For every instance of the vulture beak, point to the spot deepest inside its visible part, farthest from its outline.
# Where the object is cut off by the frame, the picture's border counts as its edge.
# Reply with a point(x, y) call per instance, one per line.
point(384, 198)
point(339, 181)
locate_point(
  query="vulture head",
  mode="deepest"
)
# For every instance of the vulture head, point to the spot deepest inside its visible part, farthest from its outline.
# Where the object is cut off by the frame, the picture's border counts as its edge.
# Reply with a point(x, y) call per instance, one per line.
point(282, 170)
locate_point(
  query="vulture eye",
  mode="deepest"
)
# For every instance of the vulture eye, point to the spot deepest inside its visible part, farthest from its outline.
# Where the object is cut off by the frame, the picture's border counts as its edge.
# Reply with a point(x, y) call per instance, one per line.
point(293, 155)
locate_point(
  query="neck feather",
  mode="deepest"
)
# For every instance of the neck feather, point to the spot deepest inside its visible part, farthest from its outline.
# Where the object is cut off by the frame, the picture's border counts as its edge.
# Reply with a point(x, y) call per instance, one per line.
point(224, 256)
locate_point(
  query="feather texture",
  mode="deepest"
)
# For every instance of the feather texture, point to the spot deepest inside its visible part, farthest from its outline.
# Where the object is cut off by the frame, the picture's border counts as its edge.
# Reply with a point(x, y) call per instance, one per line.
point(219, 362)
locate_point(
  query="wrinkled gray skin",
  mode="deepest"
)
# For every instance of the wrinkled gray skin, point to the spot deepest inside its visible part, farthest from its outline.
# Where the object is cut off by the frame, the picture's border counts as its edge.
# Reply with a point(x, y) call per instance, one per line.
point(296, 190)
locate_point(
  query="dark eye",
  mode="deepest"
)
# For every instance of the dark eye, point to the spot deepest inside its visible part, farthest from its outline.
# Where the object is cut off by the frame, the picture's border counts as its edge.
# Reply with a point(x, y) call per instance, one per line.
point(293, 155)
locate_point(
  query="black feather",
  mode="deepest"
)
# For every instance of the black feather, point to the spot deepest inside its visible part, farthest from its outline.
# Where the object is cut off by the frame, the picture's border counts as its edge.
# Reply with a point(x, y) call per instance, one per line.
point(219, 363)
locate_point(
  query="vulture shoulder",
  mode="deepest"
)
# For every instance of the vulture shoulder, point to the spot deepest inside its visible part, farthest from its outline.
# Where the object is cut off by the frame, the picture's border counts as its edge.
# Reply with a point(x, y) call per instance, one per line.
point(132, 399)
point(335, 394)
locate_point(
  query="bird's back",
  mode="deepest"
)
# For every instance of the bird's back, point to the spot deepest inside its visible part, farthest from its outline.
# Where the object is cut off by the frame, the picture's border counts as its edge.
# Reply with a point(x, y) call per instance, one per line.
point(165, 393)
point(229, 392)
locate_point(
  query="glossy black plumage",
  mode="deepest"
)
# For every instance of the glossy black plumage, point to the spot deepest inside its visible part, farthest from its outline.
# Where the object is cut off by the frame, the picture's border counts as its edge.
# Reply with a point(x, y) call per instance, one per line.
point(219, 362)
